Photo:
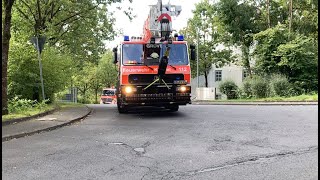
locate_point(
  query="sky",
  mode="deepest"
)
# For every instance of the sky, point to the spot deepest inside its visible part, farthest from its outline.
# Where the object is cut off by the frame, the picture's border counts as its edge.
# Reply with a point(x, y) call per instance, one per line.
point(141, 10)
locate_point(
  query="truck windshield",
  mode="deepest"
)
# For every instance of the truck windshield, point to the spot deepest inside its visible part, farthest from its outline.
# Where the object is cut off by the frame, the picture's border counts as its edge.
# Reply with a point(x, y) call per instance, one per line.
point(108, 92)
point(132, 54)
point(178, 54)
point(149, 54)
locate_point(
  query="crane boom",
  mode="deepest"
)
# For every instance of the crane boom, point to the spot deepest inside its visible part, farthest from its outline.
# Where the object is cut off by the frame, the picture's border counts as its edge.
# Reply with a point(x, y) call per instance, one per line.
point(159, 22)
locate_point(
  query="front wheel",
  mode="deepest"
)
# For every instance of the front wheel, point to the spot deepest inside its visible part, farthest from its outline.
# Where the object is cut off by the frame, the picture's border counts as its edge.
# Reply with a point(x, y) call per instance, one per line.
point(121, 109)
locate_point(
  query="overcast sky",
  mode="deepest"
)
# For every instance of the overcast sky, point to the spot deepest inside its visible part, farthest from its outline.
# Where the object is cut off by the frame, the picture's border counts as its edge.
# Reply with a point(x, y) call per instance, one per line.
point(141, 10)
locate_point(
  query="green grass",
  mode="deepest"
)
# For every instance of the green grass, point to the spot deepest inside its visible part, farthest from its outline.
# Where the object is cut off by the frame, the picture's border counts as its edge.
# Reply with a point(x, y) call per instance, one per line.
point(35, 111)
point(302, 98)
point(68, 105)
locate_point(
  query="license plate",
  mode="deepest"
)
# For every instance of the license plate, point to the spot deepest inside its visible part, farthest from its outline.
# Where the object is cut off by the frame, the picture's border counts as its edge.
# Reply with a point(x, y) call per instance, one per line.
point(179, 82)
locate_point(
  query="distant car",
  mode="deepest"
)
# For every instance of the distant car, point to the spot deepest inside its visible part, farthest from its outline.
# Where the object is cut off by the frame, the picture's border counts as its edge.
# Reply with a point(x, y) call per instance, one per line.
point(108, 96)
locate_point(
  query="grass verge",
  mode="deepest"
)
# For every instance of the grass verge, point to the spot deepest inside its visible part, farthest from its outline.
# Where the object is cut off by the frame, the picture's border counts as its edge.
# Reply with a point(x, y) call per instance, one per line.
point(300, 98)
point(34, 111)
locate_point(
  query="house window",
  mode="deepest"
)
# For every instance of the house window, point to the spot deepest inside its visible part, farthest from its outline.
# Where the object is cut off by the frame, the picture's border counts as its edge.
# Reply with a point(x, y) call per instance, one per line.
point(218, 75)
point(245, 73)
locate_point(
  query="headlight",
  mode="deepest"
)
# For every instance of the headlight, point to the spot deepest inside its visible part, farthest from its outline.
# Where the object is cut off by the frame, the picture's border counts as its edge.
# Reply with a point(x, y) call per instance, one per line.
point(128, 89)
point(183, 89)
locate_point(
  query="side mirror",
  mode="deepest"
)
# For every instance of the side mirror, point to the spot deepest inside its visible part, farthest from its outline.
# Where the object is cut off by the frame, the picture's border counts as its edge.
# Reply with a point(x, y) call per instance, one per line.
point(115, 55)
point(192, 52)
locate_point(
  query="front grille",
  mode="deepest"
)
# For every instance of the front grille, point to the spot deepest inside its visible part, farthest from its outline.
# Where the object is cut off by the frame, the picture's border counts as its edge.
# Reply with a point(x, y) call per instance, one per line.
point(163, 97)
point(149, 78)
point(107, 99)
point(150, 97)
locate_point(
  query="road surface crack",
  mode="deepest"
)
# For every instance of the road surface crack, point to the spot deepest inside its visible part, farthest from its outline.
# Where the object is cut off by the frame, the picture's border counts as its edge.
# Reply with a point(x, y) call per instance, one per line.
point(240, 161)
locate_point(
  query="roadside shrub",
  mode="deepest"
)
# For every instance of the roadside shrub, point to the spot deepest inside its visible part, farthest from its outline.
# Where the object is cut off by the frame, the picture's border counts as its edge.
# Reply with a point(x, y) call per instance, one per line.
point(260, 87)
point(297, 89)
point(229, 88)
point(41, 105)
point(280, 85)
point(246, 90)
point(16, 105)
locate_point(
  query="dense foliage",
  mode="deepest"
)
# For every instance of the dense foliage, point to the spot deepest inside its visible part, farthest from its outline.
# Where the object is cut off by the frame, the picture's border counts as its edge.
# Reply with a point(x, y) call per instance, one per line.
point(74, 54)
point(268, 39)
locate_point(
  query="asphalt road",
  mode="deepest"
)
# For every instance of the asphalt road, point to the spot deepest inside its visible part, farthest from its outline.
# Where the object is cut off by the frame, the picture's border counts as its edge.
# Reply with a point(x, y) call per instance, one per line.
point(198, 142)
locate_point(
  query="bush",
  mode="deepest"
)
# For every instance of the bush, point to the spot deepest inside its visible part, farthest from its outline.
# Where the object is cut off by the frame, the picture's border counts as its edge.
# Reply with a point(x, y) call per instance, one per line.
point(246, 90)
point(260, 87)
point(229, 88)
point(280, 85)
point(16, 105)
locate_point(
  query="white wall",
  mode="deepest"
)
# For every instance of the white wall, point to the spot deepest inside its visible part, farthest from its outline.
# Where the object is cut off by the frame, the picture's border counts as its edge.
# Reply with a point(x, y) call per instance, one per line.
point(231, 72)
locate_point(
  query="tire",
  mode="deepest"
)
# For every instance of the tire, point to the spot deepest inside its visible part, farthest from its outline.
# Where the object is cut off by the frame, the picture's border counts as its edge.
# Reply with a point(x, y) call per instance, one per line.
point(121, 109)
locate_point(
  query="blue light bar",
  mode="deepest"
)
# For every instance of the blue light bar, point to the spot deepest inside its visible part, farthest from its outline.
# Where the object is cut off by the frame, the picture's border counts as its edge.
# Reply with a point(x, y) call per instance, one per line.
point(126, 38)
point(180, 38)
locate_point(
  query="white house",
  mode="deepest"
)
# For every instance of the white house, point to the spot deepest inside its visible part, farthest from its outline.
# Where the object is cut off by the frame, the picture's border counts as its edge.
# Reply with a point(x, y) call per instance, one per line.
point(215, 77)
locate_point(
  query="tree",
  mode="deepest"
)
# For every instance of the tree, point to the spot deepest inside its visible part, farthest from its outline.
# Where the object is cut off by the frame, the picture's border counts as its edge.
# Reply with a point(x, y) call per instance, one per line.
point(290, 54)
point(305, 18)
point(107, 71)
point(205, 25)
point(267, 43)
point(6, 35)
point(300, 58)
point(241, 20)
point(93, 78)
point(82, 80)
point(23, 72)
point(61, 21)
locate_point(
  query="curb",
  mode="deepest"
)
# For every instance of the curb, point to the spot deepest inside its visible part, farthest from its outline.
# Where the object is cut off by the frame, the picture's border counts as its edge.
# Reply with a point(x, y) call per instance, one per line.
point(292, 103)
point(13, 121)
point(16, 136)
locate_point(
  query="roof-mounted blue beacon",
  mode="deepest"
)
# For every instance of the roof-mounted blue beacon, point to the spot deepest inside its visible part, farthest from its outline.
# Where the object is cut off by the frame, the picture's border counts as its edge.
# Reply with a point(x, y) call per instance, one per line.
point(126, 38)
point(180, 38)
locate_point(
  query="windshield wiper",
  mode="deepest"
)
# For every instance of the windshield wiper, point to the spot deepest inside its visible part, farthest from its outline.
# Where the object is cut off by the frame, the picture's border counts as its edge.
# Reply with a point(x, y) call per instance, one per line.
point(147, 66)
point(173, 67)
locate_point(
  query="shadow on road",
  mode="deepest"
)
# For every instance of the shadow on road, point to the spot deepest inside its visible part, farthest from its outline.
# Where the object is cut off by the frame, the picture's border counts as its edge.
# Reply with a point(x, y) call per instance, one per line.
point(153, 112)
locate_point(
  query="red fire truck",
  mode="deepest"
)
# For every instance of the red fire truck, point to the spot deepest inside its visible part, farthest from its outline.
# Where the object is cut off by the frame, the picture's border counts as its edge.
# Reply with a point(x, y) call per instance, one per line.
point(108, 96)
point(154, 70)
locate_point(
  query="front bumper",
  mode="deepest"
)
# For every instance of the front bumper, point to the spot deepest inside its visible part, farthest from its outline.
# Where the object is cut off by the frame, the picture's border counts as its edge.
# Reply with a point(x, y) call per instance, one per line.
point(156, 96)
point(106, 100)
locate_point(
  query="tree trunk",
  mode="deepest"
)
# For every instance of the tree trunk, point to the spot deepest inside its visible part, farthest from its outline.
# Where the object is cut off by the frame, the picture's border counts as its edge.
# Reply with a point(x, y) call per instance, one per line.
point(84, 94)
point(268, 13)
point(5, 52)
point(245, 57)
point(96, 93)
point(290, 15)
point(206, 78)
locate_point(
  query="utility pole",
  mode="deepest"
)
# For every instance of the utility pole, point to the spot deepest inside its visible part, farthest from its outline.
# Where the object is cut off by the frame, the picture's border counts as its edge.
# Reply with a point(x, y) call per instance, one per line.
point(38, 43)
point(40, 66)
point(197, 57)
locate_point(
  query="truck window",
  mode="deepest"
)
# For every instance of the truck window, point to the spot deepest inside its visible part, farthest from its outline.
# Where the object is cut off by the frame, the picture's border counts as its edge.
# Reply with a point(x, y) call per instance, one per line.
point(132, 54)
point(108, 92)
point(178, 54)
point(152, 51)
